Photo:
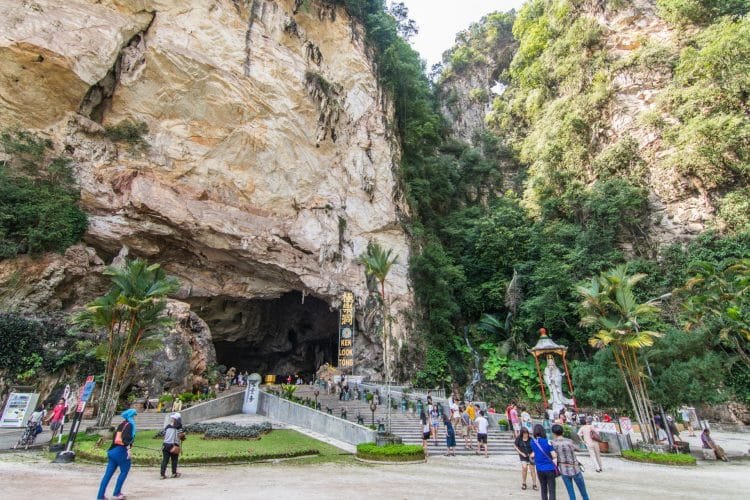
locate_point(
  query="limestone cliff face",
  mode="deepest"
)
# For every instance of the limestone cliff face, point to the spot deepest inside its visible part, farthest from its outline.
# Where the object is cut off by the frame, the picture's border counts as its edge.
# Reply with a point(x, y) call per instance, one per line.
point(269, 163)
point(680, 207)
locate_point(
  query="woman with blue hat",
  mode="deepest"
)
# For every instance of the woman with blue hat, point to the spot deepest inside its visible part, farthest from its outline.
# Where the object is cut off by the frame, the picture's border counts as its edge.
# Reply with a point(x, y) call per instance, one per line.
point(118, 455)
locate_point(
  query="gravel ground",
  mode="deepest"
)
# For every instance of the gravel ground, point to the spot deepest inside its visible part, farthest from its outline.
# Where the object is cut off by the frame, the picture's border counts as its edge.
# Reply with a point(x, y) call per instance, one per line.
point(28, 475)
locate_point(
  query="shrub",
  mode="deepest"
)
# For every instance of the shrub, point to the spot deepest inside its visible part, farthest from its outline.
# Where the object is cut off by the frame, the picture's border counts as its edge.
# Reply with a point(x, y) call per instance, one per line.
point(225, 430)
point(391, 452)
point(38, 199)
point(128, 132)
point(659, 458)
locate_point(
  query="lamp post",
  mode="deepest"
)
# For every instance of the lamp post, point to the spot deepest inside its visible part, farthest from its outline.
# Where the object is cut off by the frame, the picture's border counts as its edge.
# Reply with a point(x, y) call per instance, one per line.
point(373, 407)
point(317, 393)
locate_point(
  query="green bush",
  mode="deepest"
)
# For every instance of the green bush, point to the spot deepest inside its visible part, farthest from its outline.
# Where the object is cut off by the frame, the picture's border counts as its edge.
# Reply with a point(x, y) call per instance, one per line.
point(128, 132)
point(391, 452)
point(682, 12)
point(38, 199)
point(659, 458)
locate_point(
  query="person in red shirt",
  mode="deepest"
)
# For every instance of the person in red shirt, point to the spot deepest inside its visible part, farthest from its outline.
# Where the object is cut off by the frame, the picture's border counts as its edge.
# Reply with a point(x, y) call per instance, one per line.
point(606, 418)
point(56, 420)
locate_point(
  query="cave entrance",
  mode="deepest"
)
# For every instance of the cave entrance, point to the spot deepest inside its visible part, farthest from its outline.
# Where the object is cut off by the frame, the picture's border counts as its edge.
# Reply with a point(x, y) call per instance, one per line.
point(282, 336)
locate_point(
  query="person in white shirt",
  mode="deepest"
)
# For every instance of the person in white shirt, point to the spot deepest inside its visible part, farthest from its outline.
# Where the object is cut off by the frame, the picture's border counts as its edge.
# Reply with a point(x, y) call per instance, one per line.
point(482, 427)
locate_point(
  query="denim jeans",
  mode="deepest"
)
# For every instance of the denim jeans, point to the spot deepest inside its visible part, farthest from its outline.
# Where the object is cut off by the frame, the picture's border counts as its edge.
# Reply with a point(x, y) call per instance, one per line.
point(117, 457)
point(578, 478)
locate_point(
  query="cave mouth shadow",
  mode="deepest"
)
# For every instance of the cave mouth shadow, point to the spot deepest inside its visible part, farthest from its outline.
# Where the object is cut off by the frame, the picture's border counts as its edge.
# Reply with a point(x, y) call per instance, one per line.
point(282, 336)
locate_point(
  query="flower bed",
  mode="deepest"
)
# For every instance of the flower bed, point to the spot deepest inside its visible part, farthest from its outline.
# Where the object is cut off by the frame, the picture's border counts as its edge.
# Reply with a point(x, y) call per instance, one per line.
point(391, 452)
point(659, 458)
point(226, 430)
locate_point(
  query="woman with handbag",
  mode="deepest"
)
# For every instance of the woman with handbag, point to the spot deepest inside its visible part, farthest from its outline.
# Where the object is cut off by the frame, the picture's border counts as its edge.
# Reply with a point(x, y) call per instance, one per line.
point(171, 446)
point(545, 459)
point(591, 437)
point(118, 455)
point(570, 469)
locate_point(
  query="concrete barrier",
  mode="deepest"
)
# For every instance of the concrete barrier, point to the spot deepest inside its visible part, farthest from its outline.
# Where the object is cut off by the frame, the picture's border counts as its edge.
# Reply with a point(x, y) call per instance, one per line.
point(285, 411)
point(222, 406)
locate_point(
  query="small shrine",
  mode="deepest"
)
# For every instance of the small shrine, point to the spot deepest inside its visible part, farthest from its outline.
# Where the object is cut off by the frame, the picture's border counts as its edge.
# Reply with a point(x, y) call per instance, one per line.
point(552, 377)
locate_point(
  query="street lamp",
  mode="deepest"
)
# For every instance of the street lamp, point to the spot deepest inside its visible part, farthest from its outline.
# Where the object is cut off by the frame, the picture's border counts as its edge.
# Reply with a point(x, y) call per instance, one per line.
point(373, 407)
point(317, 393)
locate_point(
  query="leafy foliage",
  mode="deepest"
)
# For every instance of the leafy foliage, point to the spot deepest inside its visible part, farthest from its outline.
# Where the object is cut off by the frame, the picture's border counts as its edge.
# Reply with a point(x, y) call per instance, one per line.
point(709, 100)
point(659, 458)
point(682, 12)
point(129, 315)
point(38, 199)
point(30, 346)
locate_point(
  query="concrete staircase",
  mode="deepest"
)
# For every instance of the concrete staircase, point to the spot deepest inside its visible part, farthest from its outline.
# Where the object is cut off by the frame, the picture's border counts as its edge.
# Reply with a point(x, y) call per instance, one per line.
point(407, 425)
point(147, 420)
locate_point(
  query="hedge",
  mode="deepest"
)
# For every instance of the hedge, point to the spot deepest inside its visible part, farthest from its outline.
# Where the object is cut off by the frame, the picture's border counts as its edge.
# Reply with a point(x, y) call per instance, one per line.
point(391, 452)
point(659, 458)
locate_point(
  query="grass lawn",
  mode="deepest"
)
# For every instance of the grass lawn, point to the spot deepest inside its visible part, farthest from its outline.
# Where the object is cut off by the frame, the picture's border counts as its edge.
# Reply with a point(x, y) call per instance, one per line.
point(276, 444)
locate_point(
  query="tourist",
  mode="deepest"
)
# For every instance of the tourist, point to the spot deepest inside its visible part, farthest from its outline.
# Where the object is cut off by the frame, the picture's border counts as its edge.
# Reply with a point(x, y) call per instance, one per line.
point(482, 425)
point(591, 438)
point(514, 420)
point(570, 469)
point(466, 427)
point(526, 419)
point(435, 420)
point(170, 449)
point(426, 431)
point(36, 419)
point(561, 417)
point(472, 412)
point(118, 454)
point(708, 443)
point(685, 415)
point(450, 437)
point(523, 447)
point(58, 414)
point(455, 413)
point(673, 428)
point(177, 405)
point(544, 459)
point(606, 418)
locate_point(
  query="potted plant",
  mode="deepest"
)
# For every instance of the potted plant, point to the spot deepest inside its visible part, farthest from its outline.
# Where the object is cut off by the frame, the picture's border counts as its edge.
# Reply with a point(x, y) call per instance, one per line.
point(502, 424)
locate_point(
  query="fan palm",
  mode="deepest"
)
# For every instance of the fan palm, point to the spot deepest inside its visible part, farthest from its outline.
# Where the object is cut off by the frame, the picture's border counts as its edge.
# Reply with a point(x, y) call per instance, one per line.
point(610, 305)
point(378, 263)
point(129, 314)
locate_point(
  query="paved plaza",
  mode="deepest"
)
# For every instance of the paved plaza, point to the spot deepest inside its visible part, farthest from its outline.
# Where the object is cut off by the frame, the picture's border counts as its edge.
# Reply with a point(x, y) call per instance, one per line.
point(29, 475)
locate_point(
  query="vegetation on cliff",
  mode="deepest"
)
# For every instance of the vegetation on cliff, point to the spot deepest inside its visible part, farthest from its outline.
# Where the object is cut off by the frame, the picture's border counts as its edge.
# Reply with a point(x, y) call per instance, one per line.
point(579, 206)
point(38, 198)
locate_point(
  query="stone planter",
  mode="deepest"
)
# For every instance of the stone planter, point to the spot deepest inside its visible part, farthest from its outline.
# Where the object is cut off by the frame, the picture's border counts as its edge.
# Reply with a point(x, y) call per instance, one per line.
point(603, 447)
point(385, 439)
point(502, 427)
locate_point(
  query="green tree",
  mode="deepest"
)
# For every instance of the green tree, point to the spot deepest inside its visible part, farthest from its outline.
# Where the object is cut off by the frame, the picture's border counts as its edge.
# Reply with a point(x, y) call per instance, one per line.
point(610, 305)
point(378, 263)
point(720, 298)
point(130, 314)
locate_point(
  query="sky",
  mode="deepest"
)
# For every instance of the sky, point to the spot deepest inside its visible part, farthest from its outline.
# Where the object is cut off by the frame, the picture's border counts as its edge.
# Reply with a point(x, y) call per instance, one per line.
point(440, 20)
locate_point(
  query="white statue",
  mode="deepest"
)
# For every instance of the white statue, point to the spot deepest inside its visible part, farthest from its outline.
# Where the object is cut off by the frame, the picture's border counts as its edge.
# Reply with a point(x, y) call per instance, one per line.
point(553, 379)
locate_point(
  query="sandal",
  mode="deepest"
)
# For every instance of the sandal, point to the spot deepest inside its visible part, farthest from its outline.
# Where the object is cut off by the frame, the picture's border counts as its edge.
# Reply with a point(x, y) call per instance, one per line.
point(176, 475)
point(533, 487)
point(523, 486)
point(163, 476)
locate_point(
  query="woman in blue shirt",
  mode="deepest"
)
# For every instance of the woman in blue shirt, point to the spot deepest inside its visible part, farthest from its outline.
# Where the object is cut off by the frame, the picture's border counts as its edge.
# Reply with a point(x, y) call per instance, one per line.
point(544, 459)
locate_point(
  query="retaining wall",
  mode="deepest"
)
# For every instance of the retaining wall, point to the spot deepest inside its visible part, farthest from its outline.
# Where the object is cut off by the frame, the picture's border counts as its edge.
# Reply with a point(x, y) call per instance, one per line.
point(222, 406)
point(285, 411)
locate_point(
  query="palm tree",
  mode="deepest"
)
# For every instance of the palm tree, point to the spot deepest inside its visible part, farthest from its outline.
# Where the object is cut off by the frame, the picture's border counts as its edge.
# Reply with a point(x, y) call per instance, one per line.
point(130, 314)
point(378, 263)
point(609, 304)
